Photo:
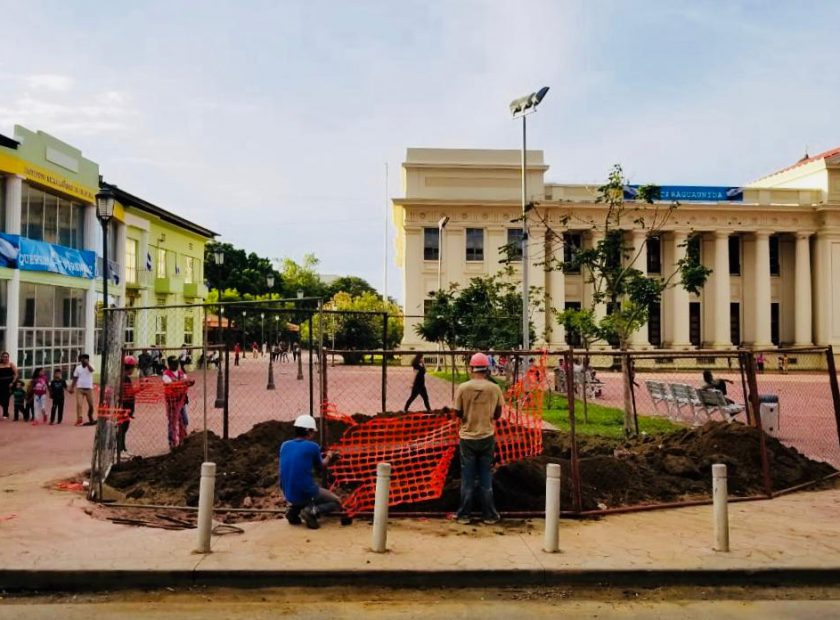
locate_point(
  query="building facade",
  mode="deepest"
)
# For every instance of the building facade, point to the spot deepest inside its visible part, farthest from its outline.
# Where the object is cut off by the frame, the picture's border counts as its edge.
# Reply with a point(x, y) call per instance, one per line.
point(51, 245)
point(773, 246)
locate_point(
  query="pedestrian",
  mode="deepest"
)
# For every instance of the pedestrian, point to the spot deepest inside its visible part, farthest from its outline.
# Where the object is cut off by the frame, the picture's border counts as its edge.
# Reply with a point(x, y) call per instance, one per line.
point(83, 382)
point(298, 458)
point(716, 384)
point(418, 387)
point(38, 388)
point(295, 351)
point(127, 402)
point(144, 363)
point(58, 386)
point(19, 395)
point(177, 414)
point(157, 359)
point(184, 358)
point(759, 362)
point(255, 350)
point(237, 350)
point(8, 375)
point(783, 363)
point(478, 403)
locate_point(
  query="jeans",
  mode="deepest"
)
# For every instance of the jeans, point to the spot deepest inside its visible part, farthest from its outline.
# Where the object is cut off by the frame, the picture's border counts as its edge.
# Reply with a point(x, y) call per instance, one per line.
point(476, 465)
point(418, 390)
point(324, 503)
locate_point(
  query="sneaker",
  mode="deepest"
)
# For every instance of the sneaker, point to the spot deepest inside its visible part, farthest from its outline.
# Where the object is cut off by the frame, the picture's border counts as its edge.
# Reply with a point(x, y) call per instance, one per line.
point(310, 517)
point(345, 520)
point(293, 519)
point(463, 520)
point(491, 520)
point(78, 423)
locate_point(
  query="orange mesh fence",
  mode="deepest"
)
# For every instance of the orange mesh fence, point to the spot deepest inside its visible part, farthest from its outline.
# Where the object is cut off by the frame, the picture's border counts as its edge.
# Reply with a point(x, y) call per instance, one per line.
point(115, 414)
point(147, 390)
point(330, 411)
point(420, 446)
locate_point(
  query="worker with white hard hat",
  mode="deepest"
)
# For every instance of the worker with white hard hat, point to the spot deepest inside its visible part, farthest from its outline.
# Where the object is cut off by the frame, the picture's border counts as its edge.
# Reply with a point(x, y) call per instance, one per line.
point(478, 402)
point(299, 458)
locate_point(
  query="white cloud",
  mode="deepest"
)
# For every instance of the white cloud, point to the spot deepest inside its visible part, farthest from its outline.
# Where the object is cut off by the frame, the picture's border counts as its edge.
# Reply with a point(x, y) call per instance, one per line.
point(50, 82)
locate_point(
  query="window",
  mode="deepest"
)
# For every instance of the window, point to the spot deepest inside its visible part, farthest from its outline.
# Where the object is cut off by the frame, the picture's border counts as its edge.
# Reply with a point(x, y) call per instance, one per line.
point(427, 306)
point(655, 325)
point(695, 334)
point(572, 243)
point(734, 256)
point(613, 244)
point(735, 323)
point(51, 218)
point(189, 270)
point(475, 244)
point(774, 255)
point(774, 323)
point(130, 322)
point(131, 261)
point(514, 244)
point(654, 256)
point(573, 338)
point(189, 322)
point(161, 263)
point(431, 244)
point(51, 333)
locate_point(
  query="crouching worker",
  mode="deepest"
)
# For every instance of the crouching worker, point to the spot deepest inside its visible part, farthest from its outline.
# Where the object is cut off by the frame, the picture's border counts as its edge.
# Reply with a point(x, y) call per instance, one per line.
point(299, 459)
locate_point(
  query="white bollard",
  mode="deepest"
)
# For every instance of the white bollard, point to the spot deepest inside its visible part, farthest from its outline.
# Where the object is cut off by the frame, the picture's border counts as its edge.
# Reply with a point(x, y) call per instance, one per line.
point(380, 507)
point(721, 508)
point(206, 493)
point(552, 508)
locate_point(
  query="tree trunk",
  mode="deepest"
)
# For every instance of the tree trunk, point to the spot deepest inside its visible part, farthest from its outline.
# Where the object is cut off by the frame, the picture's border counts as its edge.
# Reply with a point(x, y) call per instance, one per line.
point(629, 419)
point(585, 398)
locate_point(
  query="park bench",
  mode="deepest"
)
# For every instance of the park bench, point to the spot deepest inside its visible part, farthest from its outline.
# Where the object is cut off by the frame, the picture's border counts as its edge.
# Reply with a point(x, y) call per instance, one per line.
point(686, 396)
point(714, 400)
point(659, 393)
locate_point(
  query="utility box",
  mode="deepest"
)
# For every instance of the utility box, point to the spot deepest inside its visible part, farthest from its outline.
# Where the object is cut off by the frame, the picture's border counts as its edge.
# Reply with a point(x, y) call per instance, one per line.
point(769, 411)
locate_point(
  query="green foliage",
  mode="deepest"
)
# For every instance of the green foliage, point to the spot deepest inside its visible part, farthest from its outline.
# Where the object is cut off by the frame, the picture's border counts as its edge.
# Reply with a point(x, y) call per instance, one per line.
point(352, 285)
point(603, 421)
point(242, 272)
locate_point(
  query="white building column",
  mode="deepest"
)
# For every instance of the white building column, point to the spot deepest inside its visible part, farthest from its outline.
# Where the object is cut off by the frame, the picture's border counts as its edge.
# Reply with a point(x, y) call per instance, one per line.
point(679, 296)
point(761, 307)
point(14, 192)
point(802, 290)
point(556, 282)
point(722, 338)
point(90, 294)
point(639, 339)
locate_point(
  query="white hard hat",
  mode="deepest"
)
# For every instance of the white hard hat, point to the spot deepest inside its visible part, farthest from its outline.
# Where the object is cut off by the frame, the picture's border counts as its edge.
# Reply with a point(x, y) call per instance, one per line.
point(306, 421)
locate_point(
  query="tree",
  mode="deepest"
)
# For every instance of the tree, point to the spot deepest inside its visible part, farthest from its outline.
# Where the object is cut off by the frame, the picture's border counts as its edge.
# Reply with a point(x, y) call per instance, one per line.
point(626, 291)
point(353, 285)
point(243, 272)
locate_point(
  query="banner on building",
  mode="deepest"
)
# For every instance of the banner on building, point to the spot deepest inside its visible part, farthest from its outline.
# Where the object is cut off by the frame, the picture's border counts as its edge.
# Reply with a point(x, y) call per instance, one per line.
point(29, 255)
point(692, 193)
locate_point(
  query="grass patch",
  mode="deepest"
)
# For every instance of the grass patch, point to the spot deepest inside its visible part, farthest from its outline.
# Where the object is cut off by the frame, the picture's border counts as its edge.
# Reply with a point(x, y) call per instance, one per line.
point(603, 421)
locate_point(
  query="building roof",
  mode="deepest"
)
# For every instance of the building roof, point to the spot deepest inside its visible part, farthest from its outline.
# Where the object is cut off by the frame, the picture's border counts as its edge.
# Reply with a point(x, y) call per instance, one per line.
point(807, 160)
point(9, 143)
point(131, 200)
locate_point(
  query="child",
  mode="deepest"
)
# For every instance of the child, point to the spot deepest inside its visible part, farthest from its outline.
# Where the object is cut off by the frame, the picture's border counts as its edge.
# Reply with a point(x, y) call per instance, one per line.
point(19, 394)
point(38, 388)
point(176, 405)
point(126, 402)
point(57, 387)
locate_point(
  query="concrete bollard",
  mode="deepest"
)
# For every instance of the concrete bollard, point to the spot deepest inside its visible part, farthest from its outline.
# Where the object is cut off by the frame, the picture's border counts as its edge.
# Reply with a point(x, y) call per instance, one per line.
point(721, 507)
point(206, 494)
point(380, 508)
point(270, 385)
point(552, 508)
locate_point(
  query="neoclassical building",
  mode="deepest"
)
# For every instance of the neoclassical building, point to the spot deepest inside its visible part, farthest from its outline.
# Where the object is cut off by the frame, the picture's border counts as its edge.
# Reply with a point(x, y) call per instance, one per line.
point(773, 246)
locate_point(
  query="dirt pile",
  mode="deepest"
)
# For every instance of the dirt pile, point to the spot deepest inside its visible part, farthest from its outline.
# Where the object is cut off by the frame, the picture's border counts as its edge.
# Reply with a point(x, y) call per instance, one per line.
point(613, 473)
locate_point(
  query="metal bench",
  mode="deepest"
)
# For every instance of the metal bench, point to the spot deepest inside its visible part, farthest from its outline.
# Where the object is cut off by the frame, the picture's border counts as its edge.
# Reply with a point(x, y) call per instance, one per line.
point(659, 393)
point(714, 400)
point(686, 396)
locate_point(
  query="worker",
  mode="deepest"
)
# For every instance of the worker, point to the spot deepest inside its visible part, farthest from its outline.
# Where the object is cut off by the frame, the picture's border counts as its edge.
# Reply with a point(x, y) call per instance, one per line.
point(478, 403)
point(299, 457)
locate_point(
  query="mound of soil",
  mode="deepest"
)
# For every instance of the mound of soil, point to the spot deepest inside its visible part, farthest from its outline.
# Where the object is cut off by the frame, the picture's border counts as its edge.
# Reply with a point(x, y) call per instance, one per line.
point(613, 473)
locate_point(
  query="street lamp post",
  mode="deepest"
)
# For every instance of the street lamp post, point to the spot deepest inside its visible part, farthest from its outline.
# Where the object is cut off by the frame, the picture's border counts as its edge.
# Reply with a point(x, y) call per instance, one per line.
point(442, 222)
point(300, 348)
point(104, 212)
point(520, 108)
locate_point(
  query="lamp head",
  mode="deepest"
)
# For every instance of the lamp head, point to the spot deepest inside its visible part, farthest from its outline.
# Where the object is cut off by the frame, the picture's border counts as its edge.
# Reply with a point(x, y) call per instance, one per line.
point(218, 257)
point(528, 103)
point(105, 204)
point(442, 222)
point(269, 279)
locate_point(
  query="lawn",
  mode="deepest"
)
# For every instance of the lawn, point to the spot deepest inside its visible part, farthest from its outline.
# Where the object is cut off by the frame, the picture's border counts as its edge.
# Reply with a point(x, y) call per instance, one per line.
point(603, 421)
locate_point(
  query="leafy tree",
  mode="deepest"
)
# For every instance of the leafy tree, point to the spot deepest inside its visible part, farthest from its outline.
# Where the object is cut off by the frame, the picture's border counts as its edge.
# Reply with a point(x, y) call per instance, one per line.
point(353, 285)
point(243, 272)
point(627, 292)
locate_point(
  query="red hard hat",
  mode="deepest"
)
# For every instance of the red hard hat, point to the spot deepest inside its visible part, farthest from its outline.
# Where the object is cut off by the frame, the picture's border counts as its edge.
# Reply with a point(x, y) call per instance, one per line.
point(479, 360)
point(129, 360)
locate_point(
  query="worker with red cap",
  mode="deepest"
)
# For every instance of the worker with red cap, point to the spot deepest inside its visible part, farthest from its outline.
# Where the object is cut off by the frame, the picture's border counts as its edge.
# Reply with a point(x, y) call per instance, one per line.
point(478, 403)
point(127, 403)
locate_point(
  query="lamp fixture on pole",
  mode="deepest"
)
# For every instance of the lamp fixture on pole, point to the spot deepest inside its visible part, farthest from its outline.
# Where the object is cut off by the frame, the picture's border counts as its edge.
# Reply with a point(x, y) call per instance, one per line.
point(520, 108)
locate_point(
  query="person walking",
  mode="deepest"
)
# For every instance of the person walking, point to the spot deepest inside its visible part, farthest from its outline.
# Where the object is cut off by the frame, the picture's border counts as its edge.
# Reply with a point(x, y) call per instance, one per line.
point(19, 394)
point(237, 350)
point(58, 386)
point(298, 458)
point(144, 363)
point(478, 403)
point(127, 402)
point(418, 387)
point(8, 376)
point(83, 382)
point(38, 388)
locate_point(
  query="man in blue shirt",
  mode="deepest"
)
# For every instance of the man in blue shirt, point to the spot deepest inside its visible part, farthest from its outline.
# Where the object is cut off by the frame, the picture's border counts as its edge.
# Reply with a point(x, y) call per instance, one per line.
point(299, 458)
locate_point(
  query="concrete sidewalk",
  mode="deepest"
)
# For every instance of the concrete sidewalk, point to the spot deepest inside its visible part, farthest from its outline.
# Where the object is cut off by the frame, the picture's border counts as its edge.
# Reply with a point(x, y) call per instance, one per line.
point(51, 543)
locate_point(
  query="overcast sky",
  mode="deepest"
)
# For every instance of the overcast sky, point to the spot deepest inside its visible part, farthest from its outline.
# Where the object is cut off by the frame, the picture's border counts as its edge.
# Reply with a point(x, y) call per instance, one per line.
point(271, 122)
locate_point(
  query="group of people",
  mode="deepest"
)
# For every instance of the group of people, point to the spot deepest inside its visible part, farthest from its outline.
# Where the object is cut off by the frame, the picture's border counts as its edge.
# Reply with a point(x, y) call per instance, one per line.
point(279, 352)
point(478, 404)
point(29, 399)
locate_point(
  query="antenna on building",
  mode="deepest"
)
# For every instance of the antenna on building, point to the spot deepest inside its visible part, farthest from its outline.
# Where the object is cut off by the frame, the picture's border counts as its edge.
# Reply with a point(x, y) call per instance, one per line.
point(806, 156)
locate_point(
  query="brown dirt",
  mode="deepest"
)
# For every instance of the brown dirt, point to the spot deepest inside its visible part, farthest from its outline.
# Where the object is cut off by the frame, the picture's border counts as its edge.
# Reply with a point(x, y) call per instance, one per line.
point(614, 473)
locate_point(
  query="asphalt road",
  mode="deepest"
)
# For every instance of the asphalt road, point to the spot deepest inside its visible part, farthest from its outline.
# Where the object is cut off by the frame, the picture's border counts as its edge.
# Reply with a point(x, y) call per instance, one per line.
point(372, 604)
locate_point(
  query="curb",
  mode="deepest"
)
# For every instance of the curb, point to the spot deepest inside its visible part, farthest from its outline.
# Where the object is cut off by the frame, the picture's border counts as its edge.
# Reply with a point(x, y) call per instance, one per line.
point(92, 581)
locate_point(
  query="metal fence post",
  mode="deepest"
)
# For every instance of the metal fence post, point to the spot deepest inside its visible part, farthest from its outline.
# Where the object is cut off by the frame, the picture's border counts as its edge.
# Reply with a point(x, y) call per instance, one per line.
point(577, 500)
point(226, 404)
point(311, 377)
point(384, 362)
point(835, 390)
point(755, 405)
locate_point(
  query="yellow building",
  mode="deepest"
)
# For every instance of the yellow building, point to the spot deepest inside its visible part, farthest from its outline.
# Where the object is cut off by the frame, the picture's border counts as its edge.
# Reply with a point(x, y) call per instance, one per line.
point(773, 245)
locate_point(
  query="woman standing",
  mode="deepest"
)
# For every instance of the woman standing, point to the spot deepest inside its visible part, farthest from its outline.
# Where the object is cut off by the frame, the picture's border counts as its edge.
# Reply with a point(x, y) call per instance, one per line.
point(418, 388)
point(8, 375)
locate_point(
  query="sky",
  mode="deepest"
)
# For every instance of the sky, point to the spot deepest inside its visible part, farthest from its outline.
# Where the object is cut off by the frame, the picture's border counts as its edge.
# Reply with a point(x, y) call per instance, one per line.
point(273, 122)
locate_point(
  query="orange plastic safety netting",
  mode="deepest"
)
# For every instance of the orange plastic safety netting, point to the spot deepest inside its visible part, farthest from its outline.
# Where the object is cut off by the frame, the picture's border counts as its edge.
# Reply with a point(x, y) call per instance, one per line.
point(147, 390)
point(420, 446)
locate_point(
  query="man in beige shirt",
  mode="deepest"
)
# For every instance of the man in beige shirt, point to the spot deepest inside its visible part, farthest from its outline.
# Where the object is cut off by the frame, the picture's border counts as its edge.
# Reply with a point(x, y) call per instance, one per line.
point(478, 403)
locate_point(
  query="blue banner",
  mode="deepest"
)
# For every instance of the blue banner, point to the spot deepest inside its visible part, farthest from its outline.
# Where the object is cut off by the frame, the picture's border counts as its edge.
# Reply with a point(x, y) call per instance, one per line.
point(692, 193)
point(30, 255)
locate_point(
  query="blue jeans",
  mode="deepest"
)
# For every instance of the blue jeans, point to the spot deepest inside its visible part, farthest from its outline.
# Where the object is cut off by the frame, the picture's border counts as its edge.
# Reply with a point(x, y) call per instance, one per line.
point(325, 502)
point(476, 465)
